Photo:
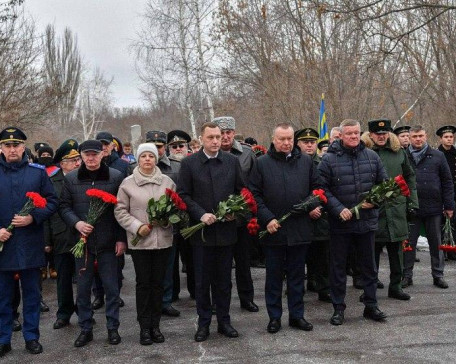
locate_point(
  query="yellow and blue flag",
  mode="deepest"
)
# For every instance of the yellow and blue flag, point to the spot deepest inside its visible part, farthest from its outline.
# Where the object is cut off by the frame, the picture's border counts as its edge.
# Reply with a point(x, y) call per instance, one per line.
point(322, 126)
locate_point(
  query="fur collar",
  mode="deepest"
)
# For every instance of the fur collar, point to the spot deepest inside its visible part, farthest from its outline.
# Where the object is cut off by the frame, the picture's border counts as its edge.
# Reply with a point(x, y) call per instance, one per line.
point(102, 175)
point(392, 144)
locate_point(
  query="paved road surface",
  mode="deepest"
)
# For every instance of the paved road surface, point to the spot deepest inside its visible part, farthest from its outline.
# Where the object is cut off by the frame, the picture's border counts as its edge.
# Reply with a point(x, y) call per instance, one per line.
point(421, 330)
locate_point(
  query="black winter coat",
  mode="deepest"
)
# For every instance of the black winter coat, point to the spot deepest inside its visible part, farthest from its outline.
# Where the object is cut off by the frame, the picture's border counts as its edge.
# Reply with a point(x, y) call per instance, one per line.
point(74, 205)
point(202, 184)
point(433, 183)
point(56, 232)
point(278, 182)
point(347, 174)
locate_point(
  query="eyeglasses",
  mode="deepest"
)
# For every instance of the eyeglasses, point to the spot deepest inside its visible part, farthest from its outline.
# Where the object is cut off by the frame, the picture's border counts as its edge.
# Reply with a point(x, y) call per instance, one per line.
point(175, 146)
point(72, 160)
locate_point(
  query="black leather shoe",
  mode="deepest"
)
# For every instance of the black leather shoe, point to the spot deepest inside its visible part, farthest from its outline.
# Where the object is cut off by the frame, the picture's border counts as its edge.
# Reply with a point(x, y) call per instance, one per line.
point(33, 347)
point(97, 303)
point(16, 325)
point(170, 311)
point(274, 326)
point(157, 336)
point(301, 324)
point(324, 297)
point(43, 307)
point(406, 282)
point(114, 337)
point(4, 349)
point(440, 282)
point(121, 302)
point(337, 318)
point(249, 306)
point(417, 260)
point(84, 338)
point(202, 333)
point(399, 295)
point(145, 337)
point(227, 330)
point(59, 323)
point(374, 313)
point(380, 284)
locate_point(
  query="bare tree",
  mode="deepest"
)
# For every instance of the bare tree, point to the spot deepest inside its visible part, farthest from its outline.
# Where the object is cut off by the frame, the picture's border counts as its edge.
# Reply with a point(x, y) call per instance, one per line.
point(62, 63)
point(94, 105)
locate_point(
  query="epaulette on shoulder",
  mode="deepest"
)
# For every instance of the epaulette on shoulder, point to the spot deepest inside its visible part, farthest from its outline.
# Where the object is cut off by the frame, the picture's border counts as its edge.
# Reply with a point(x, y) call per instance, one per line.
point(36, 165)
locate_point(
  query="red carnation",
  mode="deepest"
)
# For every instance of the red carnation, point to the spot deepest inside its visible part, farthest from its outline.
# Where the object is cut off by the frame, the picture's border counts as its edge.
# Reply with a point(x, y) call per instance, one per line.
point(38, 201)
point(321, 195)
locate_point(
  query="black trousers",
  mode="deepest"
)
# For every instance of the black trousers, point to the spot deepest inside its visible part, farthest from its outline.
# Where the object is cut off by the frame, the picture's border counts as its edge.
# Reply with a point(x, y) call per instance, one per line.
point(340, 245)
point(241, 252)
point(318, 265)
point(150, 267)
point(65, 266)
point(213, 268)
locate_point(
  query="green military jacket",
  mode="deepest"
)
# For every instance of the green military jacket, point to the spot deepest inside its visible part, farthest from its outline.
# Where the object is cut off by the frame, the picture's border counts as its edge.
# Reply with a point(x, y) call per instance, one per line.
point(392, 224)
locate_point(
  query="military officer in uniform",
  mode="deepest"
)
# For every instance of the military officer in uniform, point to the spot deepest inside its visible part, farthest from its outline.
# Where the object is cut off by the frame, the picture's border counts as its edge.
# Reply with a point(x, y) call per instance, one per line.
point(446, 134)
point(23, 248)
point(60, 236)
point(403, 134)
point(318, 254)
point(392, 223)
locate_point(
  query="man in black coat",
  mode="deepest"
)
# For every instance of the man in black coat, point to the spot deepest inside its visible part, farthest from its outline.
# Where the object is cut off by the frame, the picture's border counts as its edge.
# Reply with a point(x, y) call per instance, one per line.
point(205, 179)
point(446, 134)
point(348, 170)
point(105, 240)
point(111, 159)
point(282, 178)
point(435, 196)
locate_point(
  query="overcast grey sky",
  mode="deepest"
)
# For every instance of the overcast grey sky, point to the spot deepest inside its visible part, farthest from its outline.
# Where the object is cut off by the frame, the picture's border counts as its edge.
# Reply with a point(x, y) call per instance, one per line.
point(105, 29)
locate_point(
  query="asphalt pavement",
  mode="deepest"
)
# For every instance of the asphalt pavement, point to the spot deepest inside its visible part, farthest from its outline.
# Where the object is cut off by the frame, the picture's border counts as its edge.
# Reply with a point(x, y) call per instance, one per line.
point(421, 330)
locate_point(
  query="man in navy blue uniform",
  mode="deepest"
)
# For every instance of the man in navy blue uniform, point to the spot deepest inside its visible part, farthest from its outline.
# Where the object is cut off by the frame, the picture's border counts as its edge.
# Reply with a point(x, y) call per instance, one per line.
point(23, 248)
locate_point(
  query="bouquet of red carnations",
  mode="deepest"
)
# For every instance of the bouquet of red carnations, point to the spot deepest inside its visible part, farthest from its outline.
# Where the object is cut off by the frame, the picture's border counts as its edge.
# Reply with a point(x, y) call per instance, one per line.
point(99, 202)
point(168, 209)
point(35, 201)
point(447, 237)
point(304, 207)
point(237, 205)
point(259, 150)
point(383, 192)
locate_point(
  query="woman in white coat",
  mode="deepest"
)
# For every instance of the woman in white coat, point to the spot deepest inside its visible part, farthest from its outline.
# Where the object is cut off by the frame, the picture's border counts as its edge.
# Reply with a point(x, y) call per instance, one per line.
point(150, 254)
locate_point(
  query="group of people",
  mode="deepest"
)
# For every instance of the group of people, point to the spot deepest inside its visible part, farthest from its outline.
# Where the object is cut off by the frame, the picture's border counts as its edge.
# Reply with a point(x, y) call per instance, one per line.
point(320, 244)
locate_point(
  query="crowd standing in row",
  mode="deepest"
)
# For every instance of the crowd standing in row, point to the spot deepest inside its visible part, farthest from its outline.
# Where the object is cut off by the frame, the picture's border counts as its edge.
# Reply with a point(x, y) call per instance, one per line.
point(331, 239)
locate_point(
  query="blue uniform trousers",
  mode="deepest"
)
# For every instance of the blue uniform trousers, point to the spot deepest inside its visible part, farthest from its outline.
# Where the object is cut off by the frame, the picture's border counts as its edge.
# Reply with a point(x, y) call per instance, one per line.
point(30, 283)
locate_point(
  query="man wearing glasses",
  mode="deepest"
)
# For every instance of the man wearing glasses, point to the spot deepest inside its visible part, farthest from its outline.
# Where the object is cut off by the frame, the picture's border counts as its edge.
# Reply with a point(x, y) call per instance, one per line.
point(60, 236)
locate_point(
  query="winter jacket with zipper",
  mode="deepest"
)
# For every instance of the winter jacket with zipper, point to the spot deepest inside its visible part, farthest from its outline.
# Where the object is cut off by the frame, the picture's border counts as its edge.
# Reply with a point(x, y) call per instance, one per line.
point(74, 205)
point(278, 182)
point(433, 183)
point(347, 175)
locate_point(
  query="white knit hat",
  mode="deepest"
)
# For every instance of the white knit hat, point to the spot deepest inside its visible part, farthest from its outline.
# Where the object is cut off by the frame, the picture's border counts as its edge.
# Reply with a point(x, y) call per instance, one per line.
point(147, 147)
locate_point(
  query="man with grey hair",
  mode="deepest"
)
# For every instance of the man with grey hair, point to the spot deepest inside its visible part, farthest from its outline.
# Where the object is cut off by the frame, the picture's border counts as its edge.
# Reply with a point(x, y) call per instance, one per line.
point(241, 251)
point(435, 196)
point(348, 170)
point(335, 134)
